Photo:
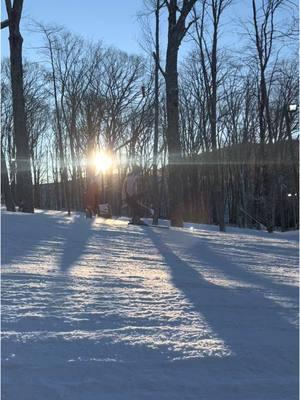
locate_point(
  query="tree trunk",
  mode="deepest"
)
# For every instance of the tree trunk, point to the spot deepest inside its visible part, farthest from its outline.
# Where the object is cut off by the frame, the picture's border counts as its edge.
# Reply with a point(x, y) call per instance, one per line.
point(24, 178)
point(292, 151)
point(155, 191)
point(176, 32)
point(63, 169)
point(5, 186)
point(173, 139)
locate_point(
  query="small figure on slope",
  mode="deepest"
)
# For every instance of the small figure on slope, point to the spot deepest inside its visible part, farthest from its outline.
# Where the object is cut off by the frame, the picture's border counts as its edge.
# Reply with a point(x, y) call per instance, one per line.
point(91, 198)
point(131, 195)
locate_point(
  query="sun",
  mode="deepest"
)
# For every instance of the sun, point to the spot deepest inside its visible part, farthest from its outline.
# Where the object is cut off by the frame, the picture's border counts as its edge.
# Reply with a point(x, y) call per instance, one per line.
point(102, 162)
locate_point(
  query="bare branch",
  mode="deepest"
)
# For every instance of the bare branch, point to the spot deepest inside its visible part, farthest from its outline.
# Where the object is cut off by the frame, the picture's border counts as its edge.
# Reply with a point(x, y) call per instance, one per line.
point(8, 7)
point(158, 63)
point(4, 24)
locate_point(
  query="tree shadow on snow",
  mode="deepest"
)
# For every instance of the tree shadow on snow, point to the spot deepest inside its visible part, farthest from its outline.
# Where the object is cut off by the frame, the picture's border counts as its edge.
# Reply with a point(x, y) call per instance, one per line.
point(251, 325)
point(38, 233)
point(23, 235)
point(223, 255)
point(74, 240)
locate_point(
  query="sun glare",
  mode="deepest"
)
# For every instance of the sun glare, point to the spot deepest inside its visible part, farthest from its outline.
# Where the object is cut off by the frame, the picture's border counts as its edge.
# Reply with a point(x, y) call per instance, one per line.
point(102, 162)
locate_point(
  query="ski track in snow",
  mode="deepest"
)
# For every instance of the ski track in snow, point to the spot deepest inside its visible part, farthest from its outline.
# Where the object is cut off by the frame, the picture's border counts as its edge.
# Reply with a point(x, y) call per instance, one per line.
point(95, 309)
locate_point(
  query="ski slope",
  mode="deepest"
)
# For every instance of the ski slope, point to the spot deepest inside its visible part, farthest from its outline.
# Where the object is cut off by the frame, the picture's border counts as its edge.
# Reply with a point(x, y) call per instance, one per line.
point(95, 309)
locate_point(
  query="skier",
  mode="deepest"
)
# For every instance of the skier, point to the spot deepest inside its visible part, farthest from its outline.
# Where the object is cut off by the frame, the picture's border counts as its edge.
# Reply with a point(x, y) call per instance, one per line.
point(91, 198)
point(131, 195)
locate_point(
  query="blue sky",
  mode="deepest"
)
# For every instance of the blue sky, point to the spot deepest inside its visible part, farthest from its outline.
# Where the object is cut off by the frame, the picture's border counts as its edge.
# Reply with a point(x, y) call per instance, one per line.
point(115, 22)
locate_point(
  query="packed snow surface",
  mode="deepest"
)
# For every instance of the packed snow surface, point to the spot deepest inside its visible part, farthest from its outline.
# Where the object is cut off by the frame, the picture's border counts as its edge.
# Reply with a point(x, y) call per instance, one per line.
point(96, 309)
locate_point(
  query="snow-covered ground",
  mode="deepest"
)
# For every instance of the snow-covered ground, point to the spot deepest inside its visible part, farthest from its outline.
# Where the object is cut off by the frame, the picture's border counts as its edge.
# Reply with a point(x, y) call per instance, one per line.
point(95, 309)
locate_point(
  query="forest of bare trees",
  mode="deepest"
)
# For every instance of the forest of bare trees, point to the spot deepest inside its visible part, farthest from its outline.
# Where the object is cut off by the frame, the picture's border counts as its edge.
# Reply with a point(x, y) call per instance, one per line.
point(214, 129)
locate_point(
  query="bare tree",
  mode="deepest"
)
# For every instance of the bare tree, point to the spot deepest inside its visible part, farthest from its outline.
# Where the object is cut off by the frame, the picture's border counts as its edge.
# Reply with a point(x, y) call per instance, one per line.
point(6, 127)
point(24, 179)
point(156, 54)
point(37, 120)
point(178, 13)
point(76, 64)
point(210, 65)
point(264, 31)
point(51, 48)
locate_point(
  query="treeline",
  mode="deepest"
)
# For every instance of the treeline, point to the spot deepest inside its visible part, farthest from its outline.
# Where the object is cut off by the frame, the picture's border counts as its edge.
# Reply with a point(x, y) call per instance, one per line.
point(238, 142)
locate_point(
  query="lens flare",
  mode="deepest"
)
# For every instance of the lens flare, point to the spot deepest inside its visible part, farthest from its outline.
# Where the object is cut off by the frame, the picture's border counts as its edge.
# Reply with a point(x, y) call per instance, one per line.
point(102, 162)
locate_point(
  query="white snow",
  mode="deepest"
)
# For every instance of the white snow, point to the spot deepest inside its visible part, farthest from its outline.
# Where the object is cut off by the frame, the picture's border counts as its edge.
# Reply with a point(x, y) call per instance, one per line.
point(95, 309)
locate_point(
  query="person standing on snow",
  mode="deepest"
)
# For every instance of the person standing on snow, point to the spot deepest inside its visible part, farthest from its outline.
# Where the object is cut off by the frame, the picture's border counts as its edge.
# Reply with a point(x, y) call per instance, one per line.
point(131, 194)
point(91, 198)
